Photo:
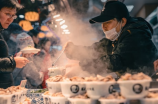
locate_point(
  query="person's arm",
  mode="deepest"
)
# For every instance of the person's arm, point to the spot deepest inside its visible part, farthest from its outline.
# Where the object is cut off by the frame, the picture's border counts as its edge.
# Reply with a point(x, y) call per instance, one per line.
point(98, 49)
point(7, 65)
point(33, 75)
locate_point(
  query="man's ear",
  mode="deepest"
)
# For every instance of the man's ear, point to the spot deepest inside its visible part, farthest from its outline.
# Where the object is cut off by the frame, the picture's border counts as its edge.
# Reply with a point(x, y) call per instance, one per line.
point(0, 17)
point(124, 21)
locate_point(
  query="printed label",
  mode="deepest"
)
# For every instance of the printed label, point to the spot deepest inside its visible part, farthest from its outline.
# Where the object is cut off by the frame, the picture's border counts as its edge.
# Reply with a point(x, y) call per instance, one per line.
point(111, 88)
point(74, 88)
point(137, 88)
point(14, 98)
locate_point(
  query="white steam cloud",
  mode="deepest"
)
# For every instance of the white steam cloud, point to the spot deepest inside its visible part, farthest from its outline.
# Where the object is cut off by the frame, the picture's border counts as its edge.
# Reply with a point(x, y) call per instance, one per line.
point(82, 34)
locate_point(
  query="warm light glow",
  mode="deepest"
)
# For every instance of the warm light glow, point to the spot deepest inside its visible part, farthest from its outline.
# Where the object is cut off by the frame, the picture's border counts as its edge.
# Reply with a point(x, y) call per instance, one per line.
point(59, 19)
point(32, 16)
point(49, 34)
point(44, 28)
point(64, 26)
point(56, 26)
point(62, 22)
point(66, 30)
point(41, 35)
point(56, 16)
point(26, 25)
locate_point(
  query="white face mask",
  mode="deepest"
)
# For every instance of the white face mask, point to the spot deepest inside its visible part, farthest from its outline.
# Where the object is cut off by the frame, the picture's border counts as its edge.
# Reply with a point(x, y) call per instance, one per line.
point(112, 34)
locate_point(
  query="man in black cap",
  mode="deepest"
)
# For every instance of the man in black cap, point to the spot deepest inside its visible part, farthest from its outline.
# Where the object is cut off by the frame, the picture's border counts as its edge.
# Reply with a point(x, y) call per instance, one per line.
point(127, 46)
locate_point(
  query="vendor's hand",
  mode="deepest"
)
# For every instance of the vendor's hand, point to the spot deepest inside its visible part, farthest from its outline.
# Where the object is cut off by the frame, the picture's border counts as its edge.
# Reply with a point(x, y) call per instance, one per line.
point(156, 65)
point(69, 49)
point(20, 61)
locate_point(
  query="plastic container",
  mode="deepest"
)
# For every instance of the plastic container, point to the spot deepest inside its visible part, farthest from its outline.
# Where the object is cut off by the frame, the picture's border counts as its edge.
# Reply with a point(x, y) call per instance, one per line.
point(72, 88)
point(134, 89)
point(95, 90)
point(46, 99)
point(79, 101)
point(150, 101)
point(59, 100)
point(112, 101)
point(53, 87)
point(53, 71)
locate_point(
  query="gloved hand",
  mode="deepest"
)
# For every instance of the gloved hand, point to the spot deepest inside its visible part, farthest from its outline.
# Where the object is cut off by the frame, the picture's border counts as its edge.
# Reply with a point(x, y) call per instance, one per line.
point(69, 49)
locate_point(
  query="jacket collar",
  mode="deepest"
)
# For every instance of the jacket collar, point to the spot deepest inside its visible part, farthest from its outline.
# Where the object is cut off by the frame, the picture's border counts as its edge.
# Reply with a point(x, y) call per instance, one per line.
point(1, 28)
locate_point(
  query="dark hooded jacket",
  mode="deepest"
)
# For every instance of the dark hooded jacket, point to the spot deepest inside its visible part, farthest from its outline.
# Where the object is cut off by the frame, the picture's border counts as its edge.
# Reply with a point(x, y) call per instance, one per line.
point(7, 64)
point(133, 51)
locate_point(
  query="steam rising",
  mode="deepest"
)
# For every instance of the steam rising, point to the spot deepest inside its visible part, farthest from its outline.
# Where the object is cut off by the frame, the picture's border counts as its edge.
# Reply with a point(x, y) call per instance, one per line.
point(81, 34)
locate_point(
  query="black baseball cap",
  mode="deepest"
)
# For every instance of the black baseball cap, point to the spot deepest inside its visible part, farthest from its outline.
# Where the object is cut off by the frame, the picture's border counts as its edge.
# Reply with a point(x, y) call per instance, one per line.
point(111, 10)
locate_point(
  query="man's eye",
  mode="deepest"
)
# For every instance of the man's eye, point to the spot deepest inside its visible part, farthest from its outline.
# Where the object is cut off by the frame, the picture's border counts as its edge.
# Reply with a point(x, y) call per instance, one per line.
point(107, 23)
point(7, 14)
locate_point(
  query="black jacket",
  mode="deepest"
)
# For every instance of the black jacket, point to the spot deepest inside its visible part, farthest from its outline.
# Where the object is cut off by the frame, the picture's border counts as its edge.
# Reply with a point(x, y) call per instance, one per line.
point(134, 51)
point(7, 64)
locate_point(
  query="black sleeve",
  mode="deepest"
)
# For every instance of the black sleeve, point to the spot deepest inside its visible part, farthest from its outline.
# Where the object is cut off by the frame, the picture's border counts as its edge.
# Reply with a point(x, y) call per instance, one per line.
point(134, 51)
point(123, 55)
point(98, 49)
point(7, 64)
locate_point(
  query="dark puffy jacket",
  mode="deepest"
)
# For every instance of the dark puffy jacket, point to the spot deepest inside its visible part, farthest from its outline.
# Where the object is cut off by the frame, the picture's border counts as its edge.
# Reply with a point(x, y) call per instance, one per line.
point(29, 73)
point(7, 64)
point(134, 51)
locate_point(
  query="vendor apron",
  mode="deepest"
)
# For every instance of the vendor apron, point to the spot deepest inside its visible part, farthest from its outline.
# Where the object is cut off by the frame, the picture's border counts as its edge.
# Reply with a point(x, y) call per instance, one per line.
point(6, 80)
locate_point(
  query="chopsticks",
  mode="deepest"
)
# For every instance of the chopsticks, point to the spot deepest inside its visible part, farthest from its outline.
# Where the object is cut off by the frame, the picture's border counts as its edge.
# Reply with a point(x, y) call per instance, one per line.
point(154, 73)
point(60, 54)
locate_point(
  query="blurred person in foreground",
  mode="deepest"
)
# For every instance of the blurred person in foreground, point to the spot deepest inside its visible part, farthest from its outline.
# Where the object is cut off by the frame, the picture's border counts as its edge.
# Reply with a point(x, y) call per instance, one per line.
point(29, 72)
point(34, 34)
point(14, 29)
point(127, 46)
point(8, 9)
point(45, 58)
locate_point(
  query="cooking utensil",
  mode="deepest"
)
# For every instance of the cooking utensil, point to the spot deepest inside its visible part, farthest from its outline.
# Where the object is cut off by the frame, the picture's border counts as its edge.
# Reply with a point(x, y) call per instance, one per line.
point(154, 73)
point(58, 57)
point(60, 54)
